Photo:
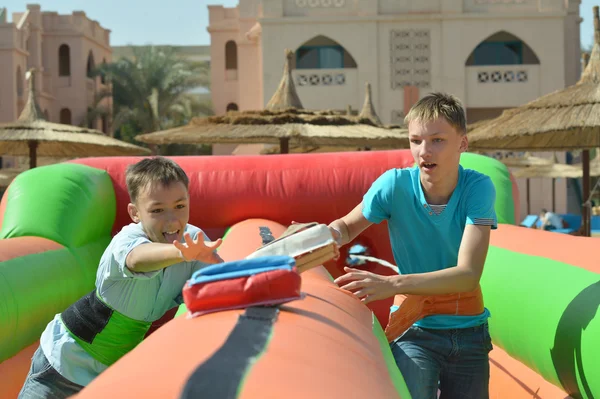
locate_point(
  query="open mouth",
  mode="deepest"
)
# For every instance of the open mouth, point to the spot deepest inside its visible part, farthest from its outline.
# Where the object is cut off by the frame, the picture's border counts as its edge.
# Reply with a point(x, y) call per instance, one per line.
point(171, 236)
point(428, 166)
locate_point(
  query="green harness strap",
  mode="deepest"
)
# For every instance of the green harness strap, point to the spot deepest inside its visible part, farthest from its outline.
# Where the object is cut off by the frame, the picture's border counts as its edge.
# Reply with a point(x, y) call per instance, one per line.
point(101, 331)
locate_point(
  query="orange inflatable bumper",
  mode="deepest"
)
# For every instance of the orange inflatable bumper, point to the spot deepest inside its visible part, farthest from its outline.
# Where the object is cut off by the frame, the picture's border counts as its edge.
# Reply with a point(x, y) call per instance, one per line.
point(321, 346)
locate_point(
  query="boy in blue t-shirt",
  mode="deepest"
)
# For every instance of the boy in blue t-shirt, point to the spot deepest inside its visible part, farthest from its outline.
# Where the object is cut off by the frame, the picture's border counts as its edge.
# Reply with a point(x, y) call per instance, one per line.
point(140, 277)
point(439, 220)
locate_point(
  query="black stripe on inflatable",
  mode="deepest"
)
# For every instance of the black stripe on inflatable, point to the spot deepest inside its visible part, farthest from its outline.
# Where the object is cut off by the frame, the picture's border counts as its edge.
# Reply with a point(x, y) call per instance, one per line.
point(266, 234)
point(221, 375)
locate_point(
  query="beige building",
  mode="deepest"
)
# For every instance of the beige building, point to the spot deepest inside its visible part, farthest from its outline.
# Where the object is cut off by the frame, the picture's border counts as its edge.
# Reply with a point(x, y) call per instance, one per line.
point(63, 50)
point(492, 54)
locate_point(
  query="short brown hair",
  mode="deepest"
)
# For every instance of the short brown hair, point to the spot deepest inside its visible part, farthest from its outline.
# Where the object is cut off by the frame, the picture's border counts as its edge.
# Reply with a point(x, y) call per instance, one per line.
point(151, 171)
point(436, 105)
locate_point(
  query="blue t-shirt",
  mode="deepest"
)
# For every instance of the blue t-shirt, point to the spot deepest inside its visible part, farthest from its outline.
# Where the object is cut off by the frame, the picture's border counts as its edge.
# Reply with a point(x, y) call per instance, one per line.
point(140, 296)
point(423, 241)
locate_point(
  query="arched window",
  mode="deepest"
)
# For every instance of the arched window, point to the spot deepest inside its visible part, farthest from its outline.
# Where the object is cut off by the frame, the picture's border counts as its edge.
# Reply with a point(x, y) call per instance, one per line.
point(19, 79)
point(321, 52)
point(231, 61)
point(46, 115)
point(65, 116)
point(90, 65)
point(64, 60)
point(502, 48)
point(28, 48)
point(102, 77)
point(232, 107)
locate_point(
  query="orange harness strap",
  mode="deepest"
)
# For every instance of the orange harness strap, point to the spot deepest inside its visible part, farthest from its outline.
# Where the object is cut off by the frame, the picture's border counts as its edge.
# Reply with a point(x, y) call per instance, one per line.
point(416, 307)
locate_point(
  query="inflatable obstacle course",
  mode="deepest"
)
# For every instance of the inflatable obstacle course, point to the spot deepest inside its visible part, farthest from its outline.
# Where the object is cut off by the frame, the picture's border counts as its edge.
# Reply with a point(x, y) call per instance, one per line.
point(540, 287)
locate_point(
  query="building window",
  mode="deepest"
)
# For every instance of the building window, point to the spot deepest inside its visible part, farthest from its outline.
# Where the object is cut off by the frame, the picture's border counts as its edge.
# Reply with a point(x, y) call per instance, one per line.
point(232, 107)
point(322, 52)
point(102, 77)
point(231, 61)
point(65, 116)
point(320, 57)
point(19, 79)
point(46, 115)
point(502, 48)
point(90, 65)
point(498, 53)
point(64, 60)
point(28, 48)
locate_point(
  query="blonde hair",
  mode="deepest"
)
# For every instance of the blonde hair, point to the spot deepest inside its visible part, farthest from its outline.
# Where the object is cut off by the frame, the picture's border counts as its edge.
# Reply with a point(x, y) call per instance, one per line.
point(439, 105)
point(150, 171)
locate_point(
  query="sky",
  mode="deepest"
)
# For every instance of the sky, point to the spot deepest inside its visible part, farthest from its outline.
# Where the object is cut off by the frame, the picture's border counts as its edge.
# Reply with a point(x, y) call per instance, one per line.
point(177, 22)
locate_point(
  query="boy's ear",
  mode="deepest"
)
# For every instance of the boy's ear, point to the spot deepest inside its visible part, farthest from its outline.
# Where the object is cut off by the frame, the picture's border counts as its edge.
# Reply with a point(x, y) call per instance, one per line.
point(133, 212)
point(464, 143)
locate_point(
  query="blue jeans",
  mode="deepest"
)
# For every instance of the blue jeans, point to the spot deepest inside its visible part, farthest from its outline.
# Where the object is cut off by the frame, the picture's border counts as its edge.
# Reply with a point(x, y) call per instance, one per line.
point(44, 382)
point(456, 361)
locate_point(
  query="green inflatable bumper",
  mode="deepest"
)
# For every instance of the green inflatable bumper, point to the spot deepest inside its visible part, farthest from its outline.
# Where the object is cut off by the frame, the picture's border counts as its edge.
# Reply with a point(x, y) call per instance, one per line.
point(70, 204)
point(544, 314)
point(33, 288)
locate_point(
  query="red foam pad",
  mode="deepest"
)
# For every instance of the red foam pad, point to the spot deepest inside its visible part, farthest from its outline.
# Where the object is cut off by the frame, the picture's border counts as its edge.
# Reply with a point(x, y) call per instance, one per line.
point(266, 288)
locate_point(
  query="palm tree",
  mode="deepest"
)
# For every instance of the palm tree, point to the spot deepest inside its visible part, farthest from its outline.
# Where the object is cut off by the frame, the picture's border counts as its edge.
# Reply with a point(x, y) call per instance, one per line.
point(151, 91)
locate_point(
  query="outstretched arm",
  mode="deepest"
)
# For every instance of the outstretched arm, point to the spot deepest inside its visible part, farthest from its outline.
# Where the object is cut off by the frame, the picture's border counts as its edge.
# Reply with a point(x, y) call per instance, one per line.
point(155, 256)
point(375, 207)
point(350, 226)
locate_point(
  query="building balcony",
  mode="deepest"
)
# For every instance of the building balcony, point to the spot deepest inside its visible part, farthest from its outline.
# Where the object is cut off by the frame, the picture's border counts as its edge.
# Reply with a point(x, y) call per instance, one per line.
point(501, 86)
point(327, 88)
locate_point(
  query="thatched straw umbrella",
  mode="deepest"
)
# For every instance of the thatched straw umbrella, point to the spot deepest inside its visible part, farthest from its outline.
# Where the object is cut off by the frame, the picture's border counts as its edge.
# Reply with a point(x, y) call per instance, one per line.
point(520, 161)
point(560, 121)
point(524, 161)
point(299, 149)
point(368, 112)
point(32, 135)
point(594, 164)
point(553, 170)
point(556, 170)
point(283, 122)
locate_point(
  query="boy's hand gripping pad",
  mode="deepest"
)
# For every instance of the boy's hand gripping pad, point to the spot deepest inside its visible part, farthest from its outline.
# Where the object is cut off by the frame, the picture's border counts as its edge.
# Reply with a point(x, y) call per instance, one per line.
point(309, 244)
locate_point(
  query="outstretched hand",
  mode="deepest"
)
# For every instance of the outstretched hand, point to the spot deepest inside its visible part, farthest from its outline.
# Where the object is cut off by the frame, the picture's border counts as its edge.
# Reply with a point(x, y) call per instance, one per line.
point(202, 251)
point(367, 286)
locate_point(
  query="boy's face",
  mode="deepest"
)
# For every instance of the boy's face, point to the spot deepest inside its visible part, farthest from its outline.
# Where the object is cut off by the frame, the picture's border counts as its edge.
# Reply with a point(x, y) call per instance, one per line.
point(436, 147)
point(163, 211)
